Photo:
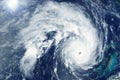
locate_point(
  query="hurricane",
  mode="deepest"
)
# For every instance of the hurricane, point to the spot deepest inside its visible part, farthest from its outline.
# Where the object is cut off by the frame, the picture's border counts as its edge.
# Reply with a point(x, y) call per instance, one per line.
point(61, 40)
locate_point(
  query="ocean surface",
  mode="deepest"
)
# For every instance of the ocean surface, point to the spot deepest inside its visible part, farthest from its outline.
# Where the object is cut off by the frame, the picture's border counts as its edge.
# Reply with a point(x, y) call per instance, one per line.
point(59, 39)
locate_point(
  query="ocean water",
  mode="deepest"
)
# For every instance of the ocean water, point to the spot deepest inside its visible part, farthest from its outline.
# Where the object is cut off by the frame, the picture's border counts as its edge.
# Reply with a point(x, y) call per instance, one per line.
point(60, 40)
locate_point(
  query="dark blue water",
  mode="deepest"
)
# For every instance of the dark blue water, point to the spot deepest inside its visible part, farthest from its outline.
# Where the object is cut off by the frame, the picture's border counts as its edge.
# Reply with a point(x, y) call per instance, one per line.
point(98, 11)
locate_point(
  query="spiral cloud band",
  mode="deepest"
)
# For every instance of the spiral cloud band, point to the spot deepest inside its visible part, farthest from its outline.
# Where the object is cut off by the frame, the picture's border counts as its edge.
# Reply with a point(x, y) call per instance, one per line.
point(75, 37)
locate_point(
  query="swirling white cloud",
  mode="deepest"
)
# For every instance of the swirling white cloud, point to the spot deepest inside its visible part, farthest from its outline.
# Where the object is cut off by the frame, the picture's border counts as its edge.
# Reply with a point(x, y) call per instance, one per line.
point(81, 45)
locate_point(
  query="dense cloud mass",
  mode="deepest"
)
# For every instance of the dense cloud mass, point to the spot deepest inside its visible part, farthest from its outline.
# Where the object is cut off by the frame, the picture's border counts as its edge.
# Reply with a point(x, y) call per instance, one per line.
point(70, 24)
